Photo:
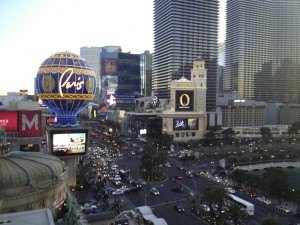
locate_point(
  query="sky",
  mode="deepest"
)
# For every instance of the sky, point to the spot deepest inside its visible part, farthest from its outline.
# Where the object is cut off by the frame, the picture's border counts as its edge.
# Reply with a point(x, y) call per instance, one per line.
point(33, 30)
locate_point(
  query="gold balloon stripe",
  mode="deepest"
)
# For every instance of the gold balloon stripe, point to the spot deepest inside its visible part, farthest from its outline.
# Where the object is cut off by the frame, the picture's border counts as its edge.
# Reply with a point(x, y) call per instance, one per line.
point(56, 96)
point(63, 69)
point(67, 55)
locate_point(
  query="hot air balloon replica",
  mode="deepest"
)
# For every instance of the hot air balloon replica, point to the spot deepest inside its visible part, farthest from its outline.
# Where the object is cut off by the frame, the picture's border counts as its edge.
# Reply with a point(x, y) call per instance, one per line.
point(66, 84)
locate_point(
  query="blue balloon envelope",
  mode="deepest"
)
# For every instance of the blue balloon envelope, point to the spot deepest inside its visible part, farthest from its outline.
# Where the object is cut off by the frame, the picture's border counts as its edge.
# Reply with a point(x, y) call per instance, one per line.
point(66, 84)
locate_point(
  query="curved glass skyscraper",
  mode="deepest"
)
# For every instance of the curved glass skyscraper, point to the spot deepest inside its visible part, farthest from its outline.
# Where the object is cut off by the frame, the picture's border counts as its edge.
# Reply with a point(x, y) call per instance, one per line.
point(263, 50)
point(184, 30)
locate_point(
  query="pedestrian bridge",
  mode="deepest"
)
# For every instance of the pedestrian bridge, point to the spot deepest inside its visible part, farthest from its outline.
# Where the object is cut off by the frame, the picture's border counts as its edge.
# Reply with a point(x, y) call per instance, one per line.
point(261, 166)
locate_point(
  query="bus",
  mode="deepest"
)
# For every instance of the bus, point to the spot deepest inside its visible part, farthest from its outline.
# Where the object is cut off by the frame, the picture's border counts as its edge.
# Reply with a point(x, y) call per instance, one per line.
point(247, 206)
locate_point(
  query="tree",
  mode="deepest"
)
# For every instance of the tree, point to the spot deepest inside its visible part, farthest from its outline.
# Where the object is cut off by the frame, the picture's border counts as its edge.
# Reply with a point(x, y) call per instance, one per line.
point(217, 197)
point(271, 220)
point(220, 195)
point(266, 133)
point(295, 197)
point(229, 134)
point(238, 176)
point(236, 213)
point(275, 181)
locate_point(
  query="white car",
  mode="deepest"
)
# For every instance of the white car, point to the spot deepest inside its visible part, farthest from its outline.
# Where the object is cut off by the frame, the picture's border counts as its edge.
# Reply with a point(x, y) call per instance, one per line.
point(264, 200)
point(117, 192)
point(117, 177)
point(230, 190)
point(154, 191)
point(205, 208)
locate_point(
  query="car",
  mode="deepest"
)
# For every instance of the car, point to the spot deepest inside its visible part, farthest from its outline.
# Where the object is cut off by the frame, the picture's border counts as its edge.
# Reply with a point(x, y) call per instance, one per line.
point(132, 190)
point(264, 200)
point(216, 179)
point(178, 189)
point(180, 167)
point(142, 182)
point(179, 208)
point(230, 190)
point(154, 191)
point(117, 177)
point(109, 190)
point(283, 209)
point(118, 192)
point(205, 207)
point(178, 177)
point(90, 211)
point(189, 174)
point(168, 164)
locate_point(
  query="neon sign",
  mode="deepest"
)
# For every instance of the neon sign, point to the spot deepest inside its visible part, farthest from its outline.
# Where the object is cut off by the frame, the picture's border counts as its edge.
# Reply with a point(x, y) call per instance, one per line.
point(69, 84)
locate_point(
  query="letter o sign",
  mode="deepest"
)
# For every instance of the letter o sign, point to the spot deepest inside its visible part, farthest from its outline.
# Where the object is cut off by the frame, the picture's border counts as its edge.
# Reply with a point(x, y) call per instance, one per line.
point(184, 100)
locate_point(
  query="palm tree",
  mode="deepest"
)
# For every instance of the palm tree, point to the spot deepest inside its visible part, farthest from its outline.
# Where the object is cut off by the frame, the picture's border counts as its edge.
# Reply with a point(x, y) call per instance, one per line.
point(216, 196)
point(236, 213)
point(220, 196)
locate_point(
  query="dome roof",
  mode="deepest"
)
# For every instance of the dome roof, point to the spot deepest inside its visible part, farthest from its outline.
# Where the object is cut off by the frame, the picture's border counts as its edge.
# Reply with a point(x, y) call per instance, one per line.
point(20, 169)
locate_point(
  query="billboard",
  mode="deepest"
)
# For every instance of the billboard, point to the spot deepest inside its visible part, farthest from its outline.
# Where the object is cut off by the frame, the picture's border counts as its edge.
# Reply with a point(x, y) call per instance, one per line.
point(185, 124)
point(184, 101)
point(9, 120)
point(29, 123)
point(109, 67)
point(68, 142)
point(51, 120)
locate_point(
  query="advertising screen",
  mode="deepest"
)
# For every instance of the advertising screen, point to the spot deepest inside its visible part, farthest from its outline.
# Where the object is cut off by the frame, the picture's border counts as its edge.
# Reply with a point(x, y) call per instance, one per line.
point(109, 67)
point(9, 120)
point(185, 124)
point(68, 142)
point(184, 101)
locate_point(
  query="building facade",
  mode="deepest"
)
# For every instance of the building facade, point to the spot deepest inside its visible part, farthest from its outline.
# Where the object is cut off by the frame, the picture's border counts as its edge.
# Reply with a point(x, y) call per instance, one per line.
point(183, 31)
point(186, 117)
point(262, 50)
point(121, 78)
point(92, 56)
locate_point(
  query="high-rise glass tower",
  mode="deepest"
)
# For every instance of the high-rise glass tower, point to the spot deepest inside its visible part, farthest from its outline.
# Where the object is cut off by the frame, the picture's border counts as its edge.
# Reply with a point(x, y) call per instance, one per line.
point(263, 50)
point(184, 30)
point(92, 56)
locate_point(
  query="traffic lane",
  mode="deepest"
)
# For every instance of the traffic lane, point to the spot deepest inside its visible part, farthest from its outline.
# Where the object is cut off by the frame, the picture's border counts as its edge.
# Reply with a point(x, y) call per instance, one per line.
point(173, 217)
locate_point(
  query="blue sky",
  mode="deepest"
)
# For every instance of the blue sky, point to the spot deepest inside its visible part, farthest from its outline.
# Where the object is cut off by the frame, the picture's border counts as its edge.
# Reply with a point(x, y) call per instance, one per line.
point(32, 30)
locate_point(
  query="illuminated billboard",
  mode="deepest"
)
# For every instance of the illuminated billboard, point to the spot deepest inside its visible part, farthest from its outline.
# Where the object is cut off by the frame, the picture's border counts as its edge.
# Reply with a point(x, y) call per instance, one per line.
point(9, 121)
point(109, 67)
point(68, 142)
point(185, 124)
point(51, 120)
point(30, 123)
point(184, 101)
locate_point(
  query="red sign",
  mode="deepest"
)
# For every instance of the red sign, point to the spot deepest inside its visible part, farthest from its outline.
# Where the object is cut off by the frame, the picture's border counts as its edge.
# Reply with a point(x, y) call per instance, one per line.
point(51, 120)
point(9, 121)
point(29, 123)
